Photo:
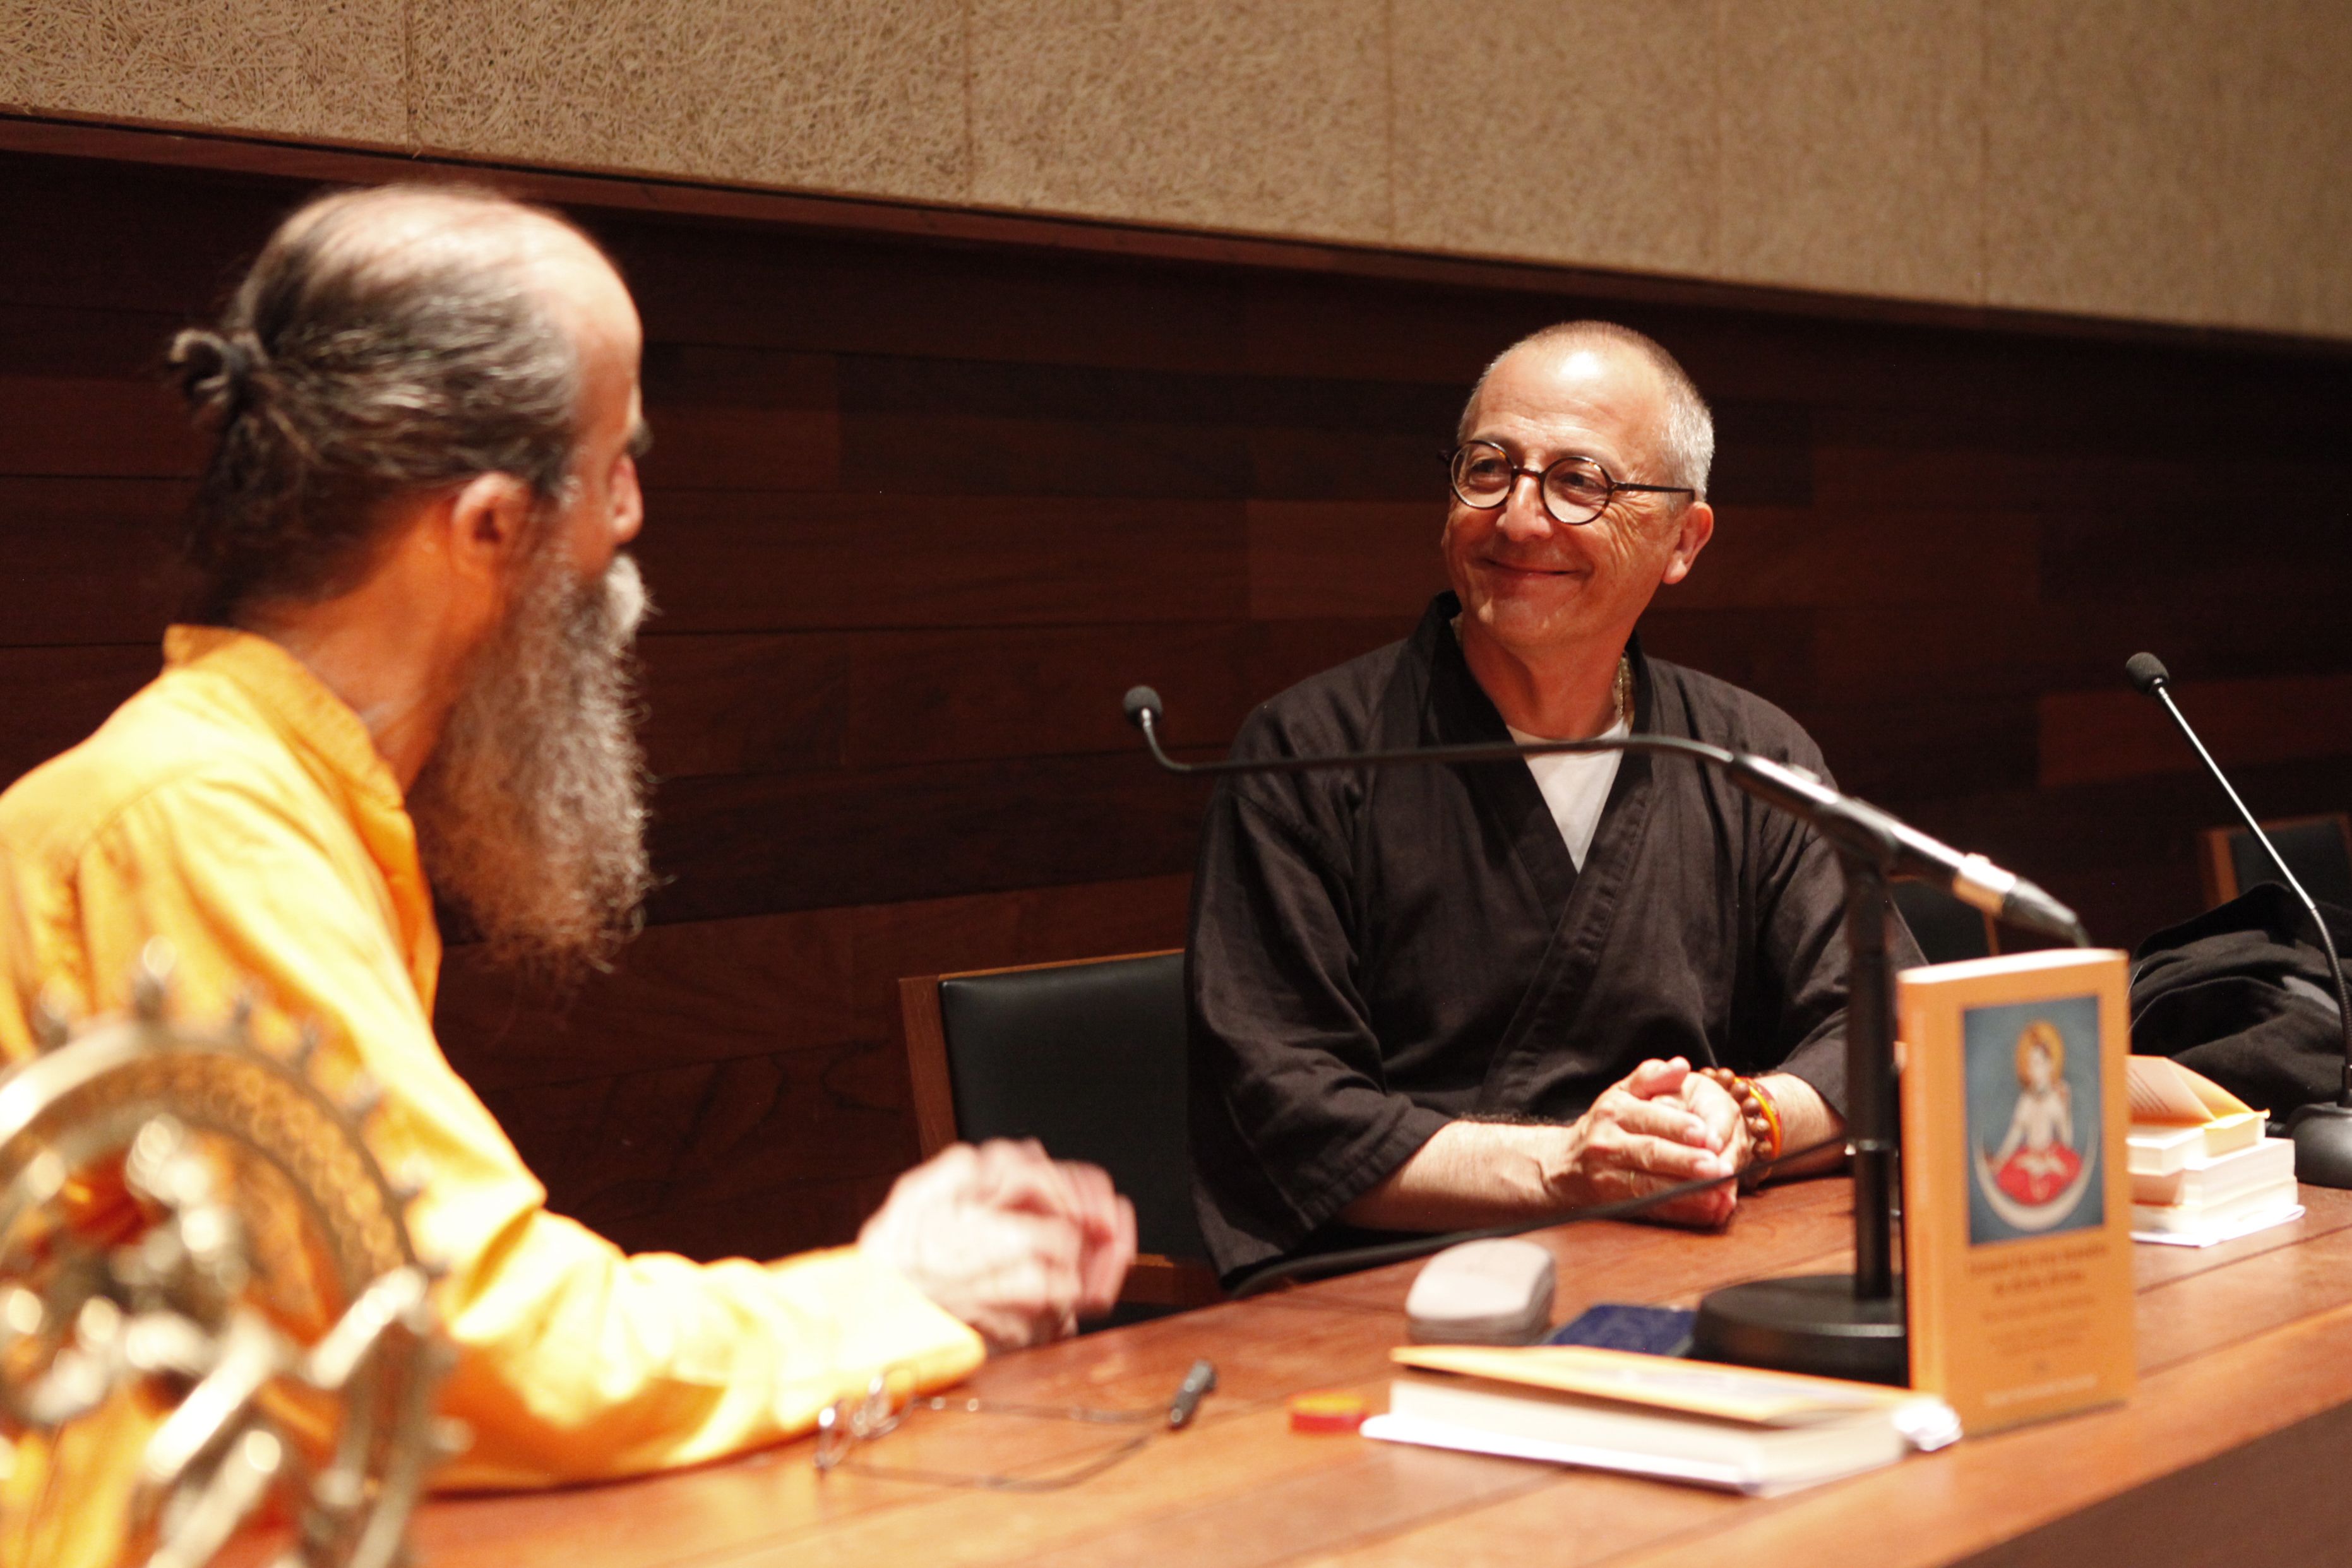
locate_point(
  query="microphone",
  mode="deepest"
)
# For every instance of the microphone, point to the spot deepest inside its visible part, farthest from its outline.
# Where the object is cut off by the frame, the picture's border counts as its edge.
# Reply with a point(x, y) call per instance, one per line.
point(1143, 707)
point(1970, 878)
point(1884, 839)
point(2322, 1134)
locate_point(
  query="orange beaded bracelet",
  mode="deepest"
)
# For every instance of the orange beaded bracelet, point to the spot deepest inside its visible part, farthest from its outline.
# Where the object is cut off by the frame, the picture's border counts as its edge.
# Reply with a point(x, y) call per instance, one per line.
point(1758, 1111)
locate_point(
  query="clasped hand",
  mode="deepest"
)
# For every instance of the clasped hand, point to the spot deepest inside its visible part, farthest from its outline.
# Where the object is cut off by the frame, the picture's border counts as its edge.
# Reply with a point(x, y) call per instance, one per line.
point(1661, 1124)
point(1016, 1244)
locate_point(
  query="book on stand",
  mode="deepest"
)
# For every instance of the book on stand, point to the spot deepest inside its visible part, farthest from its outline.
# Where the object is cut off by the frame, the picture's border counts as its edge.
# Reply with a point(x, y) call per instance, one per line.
point(2017, 1195)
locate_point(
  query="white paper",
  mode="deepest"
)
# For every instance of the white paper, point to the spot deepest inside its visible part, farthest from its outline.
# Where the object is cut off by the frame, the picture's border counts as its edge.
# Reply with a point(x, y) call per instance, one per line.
point(1393, 1429)
point(2231, 1232)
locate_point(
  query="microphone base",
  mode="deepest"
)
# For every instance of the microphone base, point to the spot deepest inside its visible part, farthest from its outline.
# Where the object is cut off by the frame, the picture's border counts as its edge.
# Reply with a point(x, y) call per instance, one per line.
point(2323, 1145)
point(1810, 1322)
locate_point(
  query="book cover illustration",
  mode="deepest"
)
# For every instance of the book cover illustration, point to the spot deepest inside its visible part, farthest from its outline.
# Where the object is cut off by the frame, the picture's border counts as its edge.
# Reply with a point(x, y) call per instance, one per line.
point(2034, 1118)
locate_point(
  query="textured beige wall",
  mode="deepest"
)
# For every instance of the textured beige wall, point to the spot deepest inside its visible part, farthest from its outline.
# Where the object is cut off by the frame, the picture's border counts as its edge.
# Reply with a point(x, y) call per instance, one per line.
point(2180, 160)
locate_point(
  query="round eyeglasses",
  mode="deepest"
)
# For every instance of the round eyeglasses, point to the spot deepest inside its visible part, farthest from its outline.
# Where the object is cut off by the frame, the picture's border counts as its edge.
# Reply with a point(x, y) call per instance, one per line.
point(1574, 490)
point(846, 1423)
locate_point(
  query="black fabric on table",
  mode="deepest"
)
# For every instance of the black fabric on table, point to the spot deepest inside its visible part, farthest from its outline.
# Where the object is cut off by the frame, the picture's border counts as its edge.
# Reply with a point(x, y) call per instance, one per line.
point(2243, 994)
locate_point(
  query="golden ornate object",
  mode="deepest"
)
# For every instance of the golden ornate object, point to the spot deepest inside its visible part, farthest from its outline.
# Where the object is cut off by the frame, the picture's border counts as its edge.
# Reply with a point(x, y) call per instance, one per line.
point(211, 1315)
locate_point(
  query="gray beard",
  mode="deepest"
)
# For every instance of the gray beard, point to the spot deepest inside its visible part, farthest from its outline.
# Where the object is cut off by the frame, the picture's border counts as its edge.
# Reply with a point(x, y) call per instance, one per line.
point(531, 814)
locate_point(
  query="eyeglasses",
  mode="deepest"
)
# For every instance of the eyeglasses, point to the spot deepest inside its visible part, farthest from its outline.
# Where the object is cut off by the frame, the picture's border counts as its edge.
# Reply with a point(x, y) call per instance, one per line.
point(846, 1423)
point(1574, 490)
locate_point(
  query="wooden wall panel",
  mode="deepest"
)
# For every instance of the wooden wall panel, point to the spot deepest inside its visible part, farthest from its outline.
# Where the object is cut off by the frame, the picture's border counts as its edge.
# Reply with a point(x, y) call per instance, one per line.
point(735, 844)
point(87, 559)
point(1824, 556)
point(2088, 737)
point(918, 513)
point(79, 426)
point(737, 561)
point(54, 696)
point(1317, 560)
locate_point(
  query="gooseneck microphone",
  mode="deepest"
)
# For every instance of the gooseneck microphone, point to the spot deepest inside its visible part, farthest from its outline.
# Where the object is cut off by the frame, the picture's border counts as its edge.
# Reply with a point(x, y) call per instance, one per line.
point(1884, 839)
point(2322, 1134)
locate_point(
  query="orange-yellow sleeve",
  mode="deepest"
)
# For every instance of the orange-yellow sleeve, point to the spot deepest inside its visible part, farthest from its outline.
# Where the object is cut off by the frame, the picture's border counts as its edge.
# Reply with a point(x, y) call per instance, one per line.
point(577, 1361)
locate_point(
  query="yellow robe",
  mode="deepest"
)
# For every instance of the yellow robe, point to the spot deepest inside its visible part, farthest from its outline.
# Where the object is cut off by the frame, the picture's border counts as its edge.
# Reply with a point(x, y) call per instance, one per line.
point(238, 808)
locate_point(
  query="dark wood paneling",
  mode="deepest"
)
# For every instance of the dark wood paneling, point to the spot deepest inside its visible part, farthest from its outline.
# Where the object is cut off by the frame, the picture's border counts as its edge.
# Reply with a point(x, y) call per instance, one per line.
point(741, 419)
point(816, 1209)
point(689, 994)
point(762, 703)
point(54, 696)
point(2088, 737)
point(699, 284)
point(1326, 560)
point(1769, 652)
point(85, 426)
point(1887, 751)
point(759, 562)
point(920, 512)
point(747, 703)
point(737, 844)
point(91, 237)
point(1773, 556)
point(64, 340)
point(2018, 651)
point(88, 560)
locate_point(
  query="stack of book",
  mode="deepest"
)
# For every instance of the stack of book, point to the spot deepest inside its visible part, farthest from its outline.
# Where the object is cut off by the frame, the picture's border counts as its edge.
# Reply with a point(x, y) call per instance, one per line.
point(2201, 1169)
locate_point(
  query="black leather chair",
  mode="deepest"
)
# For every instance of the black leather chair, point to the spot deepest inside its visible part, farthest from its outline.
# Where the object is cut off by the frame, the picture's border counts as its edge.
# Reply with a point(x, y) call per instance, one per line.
point(2319, 850)
point(1945, 928)
point(1088, 1059)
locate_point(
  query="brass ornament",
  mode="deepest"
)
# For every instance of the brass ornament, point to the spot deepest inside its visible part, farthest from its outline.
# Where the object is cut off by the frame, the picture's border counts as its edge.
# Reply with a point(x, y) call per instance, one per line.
point(211, 1313)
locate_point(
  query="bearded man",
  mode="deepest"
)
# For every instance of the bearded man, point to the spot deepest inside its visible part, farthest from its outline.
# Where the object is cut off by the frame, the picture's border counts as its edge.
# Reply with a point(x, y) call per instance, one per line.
point(408, 672)
point(1430, 998)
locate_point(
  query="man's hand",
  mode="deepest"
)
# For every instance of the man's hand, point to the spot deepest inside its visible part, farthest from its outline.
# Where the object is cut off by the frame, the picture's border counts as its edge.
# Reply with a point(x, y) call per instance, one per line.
point(1016, 1244)
point(1661, 1124)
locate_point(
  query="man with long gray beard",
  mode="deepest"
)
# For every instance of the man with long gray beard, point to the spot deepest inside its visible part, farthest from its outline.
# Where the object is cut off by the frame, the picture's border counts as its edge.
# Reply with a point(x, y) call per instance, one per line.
point(407, 670)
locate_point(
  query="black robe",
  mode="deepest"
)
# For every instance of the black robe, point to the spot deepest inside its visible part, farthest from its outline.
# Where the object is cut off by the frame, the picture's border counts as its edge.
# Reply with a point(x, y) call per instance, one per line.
point(1376, 953)
point(2243, 994)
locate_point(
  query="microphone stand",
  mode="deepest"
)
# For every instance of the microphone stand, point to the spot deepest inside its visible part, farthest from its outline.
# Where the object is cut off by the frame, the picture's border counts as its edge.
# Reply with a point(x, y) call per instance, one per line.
point(2322, 1133)
point(1834, 1325)
point(1839, 1325)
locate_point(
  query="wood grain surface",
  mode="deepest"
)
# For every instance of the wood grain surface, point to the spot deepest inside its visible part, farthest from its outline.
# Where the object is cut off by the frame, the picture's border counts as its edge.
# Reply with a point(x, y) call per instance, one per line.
point(2245, 1358)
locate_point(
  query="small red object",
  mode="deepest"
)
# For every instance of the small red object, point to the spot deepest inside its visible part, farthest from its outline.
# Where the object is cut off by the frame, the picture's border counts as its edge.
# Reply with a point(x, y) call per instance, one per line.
point(1326, 1412)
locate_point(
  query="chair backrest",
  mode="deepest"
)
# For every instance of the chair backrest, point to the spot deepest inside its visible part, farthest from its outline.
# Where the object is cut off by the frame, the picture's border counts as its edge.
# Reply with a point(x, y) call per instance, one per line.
point(1088, 1059)
point(2319, 850)
point(1945, 928)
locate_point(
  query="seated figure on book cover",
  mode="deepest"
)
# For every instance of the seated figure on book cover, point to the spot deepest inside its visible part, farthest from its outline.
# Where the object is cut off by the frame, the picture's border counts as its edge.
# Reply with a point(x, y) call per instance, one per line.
point(2037, 1160)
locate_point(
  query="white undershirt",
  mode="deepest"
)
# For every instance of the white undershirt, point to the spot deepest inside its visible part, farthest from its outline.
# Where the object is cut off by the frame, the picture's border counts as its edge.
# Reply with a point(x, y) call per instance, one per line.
point(1575, 785)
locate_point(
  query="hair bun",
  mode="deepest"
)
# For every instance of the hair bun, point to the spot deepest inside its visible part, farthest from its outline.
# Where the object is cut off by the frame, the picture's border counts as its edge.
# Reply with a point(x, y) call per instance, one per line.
point(212, 369)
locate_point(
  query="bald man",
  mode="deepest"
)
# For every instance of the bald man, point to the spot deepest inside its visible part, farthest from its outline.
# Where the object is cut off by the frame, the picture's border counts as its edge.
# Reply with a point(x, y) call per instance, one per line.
point(407, 671)
point(1429, 999)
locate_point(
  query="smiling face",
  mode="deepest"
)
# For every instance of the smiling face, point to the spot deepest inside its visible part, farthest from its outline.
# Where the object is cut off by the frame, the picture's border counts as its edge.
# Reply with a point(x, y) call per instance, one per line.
point(1539, 589)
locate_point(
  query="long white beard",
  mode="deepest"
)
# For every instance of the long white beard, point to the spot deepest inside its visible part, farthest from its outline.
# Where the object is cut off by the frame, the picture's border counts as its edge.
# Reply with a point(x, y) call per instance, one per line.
point(530, 814)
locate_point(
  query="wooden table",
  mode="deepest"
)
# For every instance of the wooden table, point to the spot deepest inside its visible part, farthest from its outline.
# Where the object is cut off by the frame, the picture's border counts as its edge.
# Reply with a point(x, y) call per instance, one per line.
point(2233, 1451)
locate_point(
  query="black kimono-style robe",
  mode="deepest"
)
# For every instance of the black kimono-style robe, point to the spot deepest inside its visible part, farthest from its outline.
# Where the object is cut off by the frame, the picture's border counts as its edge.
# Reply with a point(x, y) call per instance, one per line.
point(1377, 952)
